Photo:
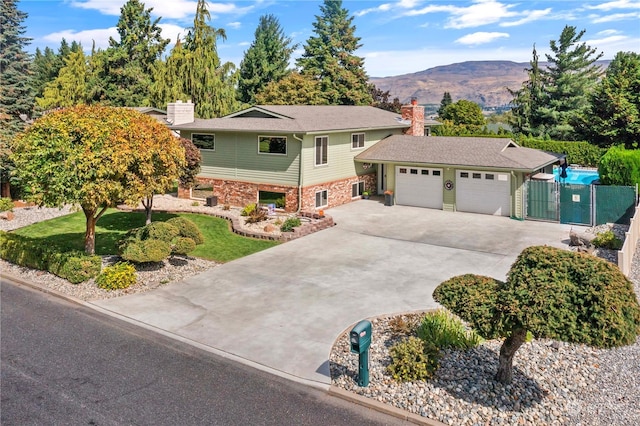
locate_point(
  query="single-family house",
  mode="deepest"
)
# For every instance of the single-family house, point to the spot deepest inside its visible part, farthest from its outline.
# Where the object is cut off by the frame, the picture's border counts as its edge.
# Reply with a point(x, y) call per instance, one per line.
point(324, 156)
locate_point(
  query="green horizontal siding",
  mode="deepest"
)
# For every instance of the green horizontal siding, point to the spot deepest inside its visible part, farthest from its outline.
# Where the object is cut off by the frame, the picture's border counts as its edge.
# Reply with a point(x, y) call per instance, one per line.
point(236, 157)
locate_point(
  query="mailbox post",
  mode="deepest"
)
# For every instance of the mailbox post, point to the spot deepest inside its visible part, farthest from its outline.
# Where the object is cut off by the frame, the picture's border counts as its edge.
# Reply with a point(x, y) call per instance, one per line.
point(360, 340)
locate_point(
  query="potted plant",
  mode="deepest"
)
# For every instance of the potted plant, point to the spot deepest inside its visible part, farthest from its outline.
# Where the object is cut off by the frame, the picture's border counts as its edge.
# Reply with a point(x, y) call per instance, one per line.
point(365, 195)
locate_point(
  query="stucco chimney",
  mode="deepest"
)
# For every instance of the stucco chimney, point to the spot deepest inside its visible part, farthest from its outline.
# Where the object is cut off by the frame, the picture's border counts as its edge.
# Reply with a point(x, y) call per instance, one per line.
point(415, 114)
point(180, 112)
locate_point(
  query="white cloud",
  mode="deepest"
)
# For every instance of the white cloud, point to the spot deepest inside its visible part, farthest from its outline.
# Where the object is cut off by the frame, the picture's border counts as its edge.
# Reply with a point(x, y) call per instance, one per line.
point(618, 4)
point(529, 16)
point(234, 25)
point(172, 32)
point(598, 19)
point(481, 38)
point(86, 38)
point(174, 9)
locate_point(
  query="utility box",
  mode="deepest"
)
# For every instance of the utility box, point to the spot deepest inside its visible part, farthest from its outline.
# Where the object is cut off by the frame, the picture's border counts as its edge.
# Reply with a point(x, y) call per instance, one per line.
point(212, 201)
point(360, 337)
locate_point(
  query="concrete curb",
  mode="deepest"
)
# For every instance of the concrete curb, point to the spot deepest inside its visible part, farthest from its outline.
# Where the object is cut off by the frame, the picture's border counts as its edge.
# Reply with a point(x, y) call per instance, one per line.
point(382, 407)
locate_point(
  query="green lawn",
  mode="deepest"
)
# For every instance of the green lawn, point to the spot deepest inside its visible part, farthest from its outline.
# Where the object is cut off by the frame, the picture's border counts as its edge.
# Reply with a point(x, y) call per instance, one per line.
point(67, 232)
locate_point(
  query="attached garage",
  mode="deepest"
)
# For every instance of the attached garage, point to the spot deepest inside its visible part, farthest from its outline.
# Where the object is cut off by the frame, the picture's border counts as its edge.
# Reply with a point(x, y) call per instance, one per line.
point(483, 192)
point(419, 186)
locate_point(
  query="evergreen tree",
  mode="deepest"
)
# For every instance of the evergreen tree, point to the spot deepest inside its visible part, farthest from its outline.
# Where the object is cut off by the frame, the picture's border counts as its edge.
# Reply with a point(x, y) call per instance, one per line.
point(444, 103)
point(70, 87)
point(570, 78)
point(16, 91)
point(266, 60)
point(294, 89)
point(128, 62)
point(44, 69)
point(328, 57)
point(196, 71)
point(526, 117)
point(613, 114)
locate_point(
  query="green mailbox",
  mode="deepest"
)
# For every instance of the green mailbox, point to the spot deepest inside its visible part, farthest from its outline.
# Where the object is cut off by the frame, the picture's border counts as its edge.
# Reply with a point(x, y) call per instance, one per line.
point(360, 340)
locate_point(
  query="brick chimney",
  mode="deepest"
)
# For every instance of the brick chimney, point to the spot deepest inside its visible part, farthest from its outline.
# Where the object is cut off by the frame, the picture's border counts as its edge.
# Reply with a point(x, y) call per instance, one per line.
point(180, 113)
point(415, 114)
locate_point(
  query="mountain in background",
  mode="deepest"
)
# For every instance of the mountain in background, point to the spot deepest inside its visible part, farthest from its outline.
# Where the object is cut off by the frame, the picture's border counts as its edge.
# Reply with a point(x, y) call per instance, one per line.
point(483, 82)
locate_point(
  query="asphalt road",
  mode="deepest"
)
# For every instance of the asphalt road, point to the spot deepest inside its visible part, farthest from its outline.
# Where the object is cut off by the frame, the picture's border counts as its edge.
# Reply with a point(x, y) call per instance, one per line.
point(62, 363)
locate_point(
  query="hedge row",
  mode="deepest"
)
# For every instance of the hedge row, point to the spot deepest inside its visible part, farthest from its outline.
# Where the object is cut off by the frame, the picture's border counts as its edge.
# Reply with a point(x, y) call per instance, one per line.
point(582, 153)
point(74, 266)
point(620, 166)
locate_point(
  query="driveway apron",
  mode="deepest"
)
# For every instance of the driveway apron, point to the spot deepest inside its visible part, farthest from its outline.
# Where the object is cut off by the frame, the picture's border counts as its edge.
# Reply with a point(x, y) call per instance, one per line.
point(281, 309)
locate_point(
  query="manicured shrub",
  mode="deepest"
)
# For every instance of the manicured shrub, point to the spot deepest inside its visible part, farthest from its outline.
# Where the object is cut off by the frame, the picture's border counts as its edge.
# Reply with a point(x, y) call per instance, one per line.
point(412, 360)
point(120, 275)
point(444, 330)
point(608, 240)
point(75, 267)
point(6, 204)
point(583, 153)
point(187, 228)
point(620, 166)
point(473, 298)
point(143, 251)
point(162, 231)
point(183, 245)
point(551, 293)
point(290, 223)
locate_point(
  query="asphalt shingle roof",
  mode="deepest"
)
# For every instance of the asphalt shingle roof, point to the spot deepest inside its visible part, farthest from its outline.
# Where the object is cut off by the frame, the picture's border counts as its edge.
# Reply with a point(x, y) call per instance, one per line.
point(457, 151)
point(301, 119)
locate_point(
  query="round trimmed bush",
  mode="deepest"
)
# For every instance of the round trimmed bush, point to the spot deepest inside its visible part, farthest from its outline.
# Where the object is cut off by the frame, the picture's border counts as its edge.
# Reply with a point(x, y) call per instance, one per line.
point(159, 231)
point(120, 275)
point(143, 251)
point(183, 246)
point(186, 228)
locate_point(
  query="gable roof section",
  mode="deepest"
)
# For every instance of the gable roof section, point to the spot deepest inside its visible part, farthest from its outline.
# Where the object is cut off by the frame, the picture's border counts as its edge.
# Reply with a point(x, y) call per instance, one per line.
point(300, 119)
point(457, 151)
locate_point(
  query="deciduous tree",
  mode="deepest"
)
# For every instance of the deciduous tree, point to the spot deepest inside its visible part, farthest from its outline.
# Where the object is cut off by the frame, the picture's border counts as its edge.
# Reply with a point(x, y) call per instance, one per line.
point(96, 157)
point(329, 57)
point(551, 293)
point(266, 60)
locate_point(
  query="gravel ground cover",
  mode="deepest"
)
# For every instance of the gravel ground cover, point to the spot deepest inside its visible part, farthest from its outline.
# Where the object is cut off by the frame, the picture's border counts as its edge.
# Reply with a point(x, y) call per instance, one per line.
point(555, 383)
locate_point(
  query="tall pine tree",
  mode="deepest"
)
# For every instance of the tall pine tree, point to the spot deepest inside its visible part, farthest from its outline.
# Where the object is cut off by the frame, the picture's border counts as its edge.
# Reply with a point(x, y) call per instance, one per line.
point(444, 103)
point(570, 77)
point(266, 60)
point(526, 117)
point(129, 61)
point(329, 57)
point(16, 91)
point(70, 87)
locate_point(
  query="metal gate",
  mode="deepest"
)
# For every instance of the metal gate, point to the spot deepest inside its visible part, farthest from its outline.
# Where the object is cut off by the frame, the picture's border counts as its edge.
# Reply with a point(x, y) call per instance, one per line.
point(579, 204)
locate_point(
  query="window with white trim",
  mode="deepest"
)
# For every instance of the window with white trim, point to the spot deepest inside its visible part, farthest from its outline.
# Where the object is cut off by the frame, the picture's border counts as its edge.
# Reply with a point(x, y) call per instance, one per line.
point(357, 189)
point(322, 143)
point(322, 198)
point(272, 145)
point(204, 141)
point(357, 140)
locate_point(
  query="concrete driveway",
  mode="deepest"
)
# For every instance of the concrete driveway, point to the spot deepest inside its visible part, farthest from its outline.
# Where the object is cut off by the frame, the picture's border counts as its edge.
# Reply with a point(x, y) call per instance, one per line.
point(282, 309)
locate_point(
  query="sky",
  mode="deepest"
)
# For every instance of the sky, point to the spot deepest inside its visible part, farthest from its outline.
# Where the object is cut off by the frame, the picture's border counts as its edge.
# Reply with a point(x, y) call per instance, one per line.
point(397, 37)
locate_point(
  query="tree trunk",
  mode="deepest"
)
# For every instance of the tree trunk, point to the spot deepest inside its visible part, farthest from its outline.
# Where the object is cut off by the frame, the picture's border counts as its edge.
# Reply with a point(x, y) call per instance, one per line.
point(147, 202)
point(90, 232)
point(507, 352)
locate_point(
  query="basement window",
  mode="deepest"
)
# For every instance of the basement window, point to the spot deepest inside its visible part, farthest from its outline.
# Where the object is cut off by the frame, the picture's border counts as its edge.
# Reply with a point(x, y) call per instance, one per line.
point(357, 189)
point(322, 198)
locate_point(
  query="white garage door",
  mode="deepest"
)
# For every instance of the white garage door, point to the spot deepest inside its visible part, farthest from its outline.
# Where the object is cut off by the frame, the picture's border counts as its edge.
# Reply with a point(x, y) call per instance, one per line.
point(483, 192)
point(419, 186)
